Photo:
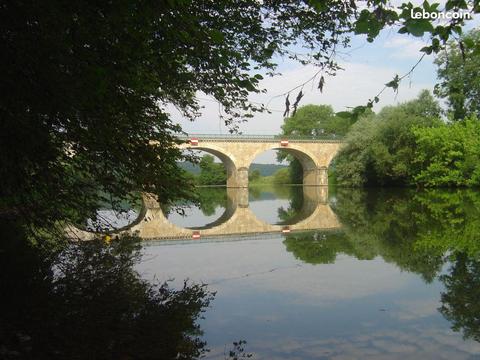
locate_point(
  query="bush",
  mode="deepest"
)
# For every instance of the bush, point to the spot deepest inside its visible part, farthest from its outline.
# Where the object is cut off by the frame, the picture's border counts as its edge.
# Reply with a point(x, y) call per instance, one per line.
point(380, 149)
point(282, 176)
point(448, 155)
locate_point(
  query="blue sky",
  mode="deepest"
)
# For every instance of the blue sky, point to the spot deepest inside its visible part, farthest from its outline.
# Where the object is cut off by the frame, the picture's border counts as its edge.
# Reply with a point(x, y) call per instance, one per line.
point(368, 66)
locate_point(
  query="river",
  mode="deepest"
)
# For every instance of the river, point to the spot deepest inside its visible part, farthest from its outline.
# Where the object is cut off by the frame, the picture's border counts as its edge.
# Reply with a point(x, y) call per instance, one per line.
point(397, 277)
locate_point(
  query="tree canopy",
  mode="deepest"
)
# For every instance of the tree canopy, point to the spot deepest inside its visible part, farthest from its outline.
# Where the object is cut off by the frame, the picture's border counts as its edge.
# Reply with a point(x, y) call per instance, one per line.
point(87, 86)
point(459, 74)
point(448, 155)
point(211, 173)
point(315, 120)
point(380, 149)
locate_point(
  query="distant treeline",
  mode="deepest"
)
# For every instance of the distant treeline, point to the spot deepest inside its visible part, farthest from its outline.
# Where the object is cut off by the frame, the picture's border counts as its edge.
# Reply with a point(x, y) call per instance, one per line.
point(264, 169)
point(209, 172)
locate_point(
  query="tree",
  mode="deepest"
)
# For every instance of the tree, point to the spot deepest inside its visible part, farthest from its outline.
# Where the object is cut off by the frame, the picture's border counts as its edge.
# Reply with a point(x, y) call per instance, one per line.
point(459, 74)
point(211, 173)
point(254, 175)
point(88, 301)
point(448, 155)
point(380, 149)
point(316, 121)
point(310, 120)
point(87, 86)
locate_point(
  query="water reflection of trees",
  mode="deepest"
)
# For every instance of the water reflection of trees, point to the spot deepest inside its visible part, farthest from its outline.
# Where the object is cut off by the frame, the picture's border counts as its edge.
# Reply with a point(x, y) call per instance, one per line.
point(379, 225)
point(86, 301)
point(320, 247)
point(292, 211)
point(460, 300)
point(272, 191)
point(419, 232)
point(207, 199)
point(211, 198)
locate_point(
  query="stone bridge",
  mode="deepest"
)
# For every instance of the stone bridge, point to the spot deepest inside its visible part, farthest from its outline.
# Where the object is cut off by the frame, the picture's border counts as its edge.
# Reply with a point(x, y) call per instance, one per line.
point(238, 219)
point(237, 152)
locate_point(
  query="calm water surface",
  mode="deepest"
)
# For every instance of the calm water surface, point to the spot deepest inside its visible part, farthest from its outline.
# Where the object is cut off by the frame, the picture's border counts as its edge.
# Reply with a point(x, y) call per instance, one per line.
point(399, 278)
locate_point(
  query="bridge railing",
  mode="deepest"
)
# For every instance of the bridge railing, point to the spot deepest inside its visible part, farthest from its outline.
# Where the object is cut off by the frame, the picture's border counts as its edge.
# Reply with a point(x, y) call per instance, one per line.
point(233, 137)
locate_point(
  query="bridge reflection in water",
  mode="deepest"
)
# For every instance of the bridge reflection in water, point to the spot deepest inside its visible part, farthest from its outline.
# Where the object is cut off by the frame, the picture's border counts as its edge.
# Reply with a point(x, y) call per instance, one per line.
point(239, 219)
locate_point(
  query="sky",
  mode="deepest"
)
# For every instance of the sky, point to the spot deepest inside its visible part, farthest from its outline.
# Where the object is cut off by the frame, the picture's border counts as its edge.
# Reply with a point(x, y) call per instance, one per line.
point(367, 67)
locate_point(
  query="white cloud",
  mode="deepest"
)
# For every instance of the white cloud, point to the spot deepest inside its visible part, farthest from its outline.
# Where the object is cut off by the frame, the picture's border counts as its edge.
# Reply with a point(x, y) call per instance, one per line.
point(271, 269)
point(351, 87)
point(404, 47)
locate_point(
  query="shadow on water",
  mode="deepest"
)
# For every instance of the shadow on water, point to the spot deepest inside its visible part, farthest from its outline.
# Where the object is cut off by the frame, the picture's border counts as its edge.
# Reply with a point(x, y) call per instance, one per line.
point(86, 301)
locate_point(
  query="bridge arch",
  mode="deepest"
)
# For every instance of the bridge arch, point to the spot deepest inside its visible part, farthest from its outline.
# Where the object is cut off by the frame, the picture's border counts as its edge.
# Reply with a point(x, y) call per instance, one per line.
point(238, 152)
point(315, 214)
point(305, 157)
point(229, 161)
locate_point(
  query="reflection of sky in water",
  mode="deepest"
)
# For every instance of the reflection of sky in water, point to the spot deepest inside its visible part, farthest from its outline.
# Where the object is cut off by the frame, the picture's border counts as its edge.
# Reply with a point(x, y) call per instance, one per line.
point(110, 219)
point(287, 309)
point(267, 210)
point(194, 217)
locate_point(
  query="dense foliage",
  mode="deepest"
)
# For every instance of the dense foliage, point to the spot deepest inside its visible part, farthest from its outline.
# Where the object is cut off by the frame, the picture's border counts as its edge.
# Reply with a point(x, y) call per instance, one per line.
point(211, 173)
point(88, 302)
point(448, 155)
point(421, 152)
point(380, 149)
point(433, 233)
point(459, 74)
point(311, 121)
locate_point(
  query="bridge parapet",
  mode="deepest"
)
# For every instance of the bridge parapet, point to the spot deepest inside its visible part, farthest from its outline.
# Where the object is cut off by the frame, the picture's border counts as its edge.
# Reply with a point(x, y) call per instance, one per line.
point(263, 138)
point(237, 152)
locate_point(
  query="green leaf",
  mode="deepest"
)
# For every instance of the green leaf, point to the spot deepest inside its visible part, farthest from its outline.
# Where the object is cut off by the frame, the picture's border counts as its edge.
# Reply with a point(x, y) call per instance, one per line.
point(216, 36)
point(344, 114)
point(469, 43)
point(394, 83)
point(427, 50)
point(419, 27)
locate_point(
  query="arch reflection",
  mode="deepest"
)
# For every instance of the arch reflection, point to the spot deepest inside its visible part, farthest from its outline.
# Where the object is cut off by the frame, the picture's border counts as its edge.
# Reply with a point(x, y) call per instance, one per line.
point(238, 218)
